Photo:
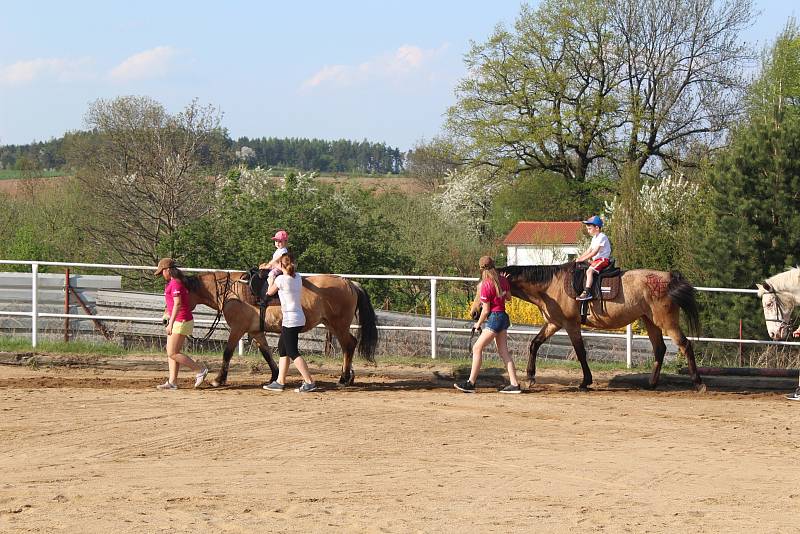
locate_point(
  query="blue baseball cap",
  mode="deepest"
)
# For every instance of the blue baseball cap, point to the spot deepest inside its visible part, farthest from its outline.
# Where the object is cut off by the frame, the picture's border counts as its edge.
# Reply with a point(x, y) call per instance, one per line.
point(595, 220)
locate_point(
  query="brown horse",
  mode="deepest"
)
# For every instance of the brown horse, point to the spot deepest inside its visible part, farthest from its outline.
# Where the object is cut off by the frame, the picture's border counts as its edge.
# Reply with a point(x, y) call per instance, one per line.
point(327, 299)
point(655, 297)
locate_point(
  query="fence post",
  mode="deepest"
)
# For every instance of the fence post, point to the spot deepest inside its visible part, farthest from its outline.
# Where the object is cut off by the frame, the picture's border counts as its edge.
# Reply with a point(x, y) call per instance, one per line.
point(34, 304)
point(433, 318)
point(241, 346)
point(629, 346)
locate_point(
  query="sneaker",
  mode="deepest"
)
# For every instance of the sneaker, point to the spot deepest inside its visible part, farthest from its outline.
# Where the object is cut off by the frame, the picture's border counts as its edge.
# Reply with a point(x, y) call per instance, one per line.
point(167, 385)
point(274, 386)
point(584, 296)
point(307, 387)
point(200, 377)
point(465, 386)
point(794, 396)
point(511, 389)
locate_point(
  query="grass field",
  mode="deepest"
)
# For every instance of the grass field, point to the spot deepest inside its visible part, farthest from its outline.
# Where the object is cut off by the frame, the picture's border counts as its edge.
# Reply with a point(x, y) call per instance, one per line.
point(11, 174)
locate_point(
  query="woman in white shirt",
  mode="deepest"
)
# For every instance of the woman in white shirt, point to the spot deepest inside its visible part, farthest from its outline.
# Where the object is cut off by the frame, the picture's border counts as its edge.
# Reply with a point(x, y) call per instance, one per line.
point(289, 286)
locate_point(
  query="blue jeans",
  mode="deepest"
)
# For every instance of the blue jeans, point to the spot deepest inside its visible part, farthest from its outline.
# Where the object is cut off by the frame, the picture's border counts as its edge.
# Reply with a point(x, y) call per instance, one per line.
point(497, 322)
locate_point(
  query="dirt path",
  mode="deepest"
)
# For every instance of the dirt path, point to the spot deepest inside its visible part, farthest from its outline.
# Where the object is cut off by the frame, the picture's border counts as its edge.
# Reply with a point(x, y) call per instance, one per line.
point(84, 450)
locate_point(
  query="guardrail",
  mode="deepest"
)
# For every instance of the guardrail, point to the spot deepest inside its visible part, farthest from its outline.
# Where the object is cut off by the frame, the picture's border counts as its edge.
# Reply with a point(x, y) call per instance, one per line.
point(629, 336)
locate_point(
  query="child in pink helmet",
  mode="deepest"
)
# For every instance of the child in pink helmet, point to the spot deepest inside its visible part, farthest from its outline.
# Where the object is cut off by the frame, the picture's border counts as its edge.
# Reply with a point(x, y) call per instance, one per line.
point(281, 240)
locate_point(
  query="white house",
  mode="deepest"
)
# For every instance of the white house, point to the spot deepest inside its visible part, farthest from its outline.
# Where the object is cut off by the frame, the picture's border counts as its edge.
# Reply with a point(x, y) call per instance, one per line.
point(545, 243)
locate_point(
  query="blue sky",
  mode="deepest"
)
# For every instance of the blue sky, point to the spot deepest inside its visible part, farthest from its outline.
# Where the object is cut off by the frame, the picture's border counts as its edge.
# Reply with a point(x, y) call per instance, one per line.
point(349, 69)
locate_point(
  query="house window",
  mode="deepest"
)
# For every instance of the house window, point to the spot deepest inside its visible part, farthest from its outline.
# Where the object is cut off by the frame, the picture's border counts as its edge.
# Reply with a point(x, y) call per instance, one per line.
point(571, 257)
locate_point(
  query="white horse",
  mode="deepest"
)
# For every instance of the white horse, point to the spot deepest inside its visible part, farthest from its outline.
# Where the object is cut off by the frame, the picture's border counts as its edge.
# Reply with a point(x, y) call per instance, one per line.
point(779, 295)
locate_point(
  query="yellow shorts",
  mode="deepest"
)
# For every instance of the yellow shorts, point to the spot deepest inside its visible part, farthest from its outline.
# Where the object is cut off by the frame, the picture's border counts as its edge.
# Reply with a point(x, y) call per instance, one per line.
point(184, 328)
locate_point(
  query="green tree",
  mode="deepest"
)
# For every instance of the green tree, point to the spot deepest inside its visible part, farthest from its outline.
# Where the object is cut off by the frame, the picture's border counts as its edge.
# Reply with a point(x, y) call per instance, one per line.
point(752, 233)
point(778, 86)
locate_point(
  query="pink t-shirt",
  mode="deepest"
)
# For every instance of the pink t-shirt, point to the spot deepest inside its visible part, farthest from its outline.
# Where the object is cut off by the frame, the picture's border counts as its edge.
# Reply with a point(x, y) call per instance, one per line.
point(488, 294)
point(176, 288)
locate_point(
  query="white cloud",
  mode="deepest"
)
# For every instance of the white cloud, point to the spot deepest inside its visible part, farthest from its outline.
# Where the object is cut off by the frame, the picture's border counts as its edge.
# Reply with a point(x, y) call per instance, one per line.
point(403, 62)
point(152, 63)
point(60, 69)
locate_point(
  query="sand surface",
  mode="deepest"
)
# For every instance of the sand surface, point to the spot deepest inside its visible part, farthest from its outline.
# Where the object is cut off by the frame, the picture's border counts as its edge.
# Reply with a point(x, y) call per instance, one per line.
point(99, 450)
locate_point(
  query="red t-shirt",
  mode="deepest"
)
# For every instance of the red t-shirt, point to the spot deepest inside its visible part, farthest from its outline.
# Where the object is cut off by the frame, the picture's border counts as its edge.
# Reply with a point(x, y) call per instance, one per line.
point(488, 294)
point(176, 288)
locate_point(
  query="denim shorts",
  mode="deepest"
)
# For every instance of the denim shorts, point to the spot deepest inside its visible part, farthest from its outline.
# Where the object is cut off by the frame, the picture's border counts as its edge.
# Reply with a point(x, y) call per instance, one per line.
point(497, 322)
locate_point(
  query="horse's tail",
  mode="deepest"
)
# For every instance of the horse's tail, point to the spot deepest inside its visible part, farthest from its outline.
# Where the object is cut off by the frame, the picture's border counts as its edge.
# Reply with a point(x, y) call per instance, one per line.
point(682, 293)
point(368, 339)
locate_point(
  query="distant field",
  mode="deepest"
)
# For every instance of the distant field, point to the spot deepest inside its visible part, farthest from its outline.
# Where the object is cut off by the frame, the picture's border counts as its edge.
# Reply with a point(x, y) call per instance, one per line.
point(10, 174)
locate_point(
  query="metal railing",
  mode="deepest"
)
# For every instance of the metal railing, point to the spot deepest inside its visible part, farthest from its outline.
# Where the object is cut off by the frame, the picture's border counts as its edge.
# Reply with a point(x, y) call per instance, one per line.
point(629, 336)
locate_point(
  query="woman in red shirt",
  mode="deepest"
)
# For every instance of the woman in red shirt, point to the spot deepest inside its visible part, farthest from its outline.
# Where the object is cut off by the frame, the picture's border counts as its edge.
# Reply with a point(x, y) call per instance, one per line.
point(179, 323)
point(494, 291)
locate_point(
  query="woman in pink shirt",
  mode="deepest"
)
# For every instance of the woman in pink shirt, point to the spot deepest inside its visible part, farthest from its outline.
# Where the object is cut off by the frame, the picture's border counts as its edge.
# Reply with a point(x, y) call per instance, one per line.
point(494, 291)
point(179, 324)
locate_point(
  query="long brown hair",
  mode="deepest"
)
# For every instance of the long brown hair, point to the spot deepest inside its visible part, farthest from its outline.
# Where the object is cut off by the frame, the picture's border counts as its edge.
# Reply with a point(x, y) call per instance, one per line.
point(174, 272)
point(287, 264)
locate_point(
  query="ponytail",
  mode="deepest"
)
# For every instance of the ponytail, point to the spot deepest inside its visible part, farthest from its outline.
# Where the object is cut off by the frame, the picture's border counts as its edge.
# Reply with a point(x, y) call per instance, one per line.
point(287, 264)
point(491, 275)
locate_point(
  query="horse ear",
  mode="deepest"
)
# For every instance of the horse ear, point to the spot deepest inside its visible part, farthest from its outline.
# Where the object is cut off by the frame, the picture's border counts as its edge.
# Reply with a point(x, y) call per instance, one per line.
point(761, 290)
point(766, 286)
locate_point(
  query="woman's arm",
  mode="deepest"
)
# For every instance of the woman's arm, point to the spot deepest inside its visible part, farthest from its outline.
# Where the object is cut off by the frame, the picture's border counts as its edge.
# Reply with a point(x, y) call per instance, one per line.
point(484, 315)
point(272, 290)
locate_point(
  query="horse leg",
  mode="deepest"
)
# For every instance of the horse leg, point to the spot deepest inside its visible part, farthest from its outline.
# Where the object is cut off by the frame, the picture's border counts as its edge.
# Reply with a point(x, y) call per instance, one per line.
point(348, 343)
point(659, 349)
point(576, 338)
point(227, 354)
point(263, 347)
point(544, 334)
point(685, 346)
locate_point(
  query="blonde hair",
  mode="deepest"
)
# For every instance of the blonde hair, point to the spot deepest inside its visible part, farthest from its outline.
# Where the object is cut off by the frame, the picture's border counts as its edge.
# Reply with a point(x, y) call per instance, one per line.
point(287, 264)
point(491, 274)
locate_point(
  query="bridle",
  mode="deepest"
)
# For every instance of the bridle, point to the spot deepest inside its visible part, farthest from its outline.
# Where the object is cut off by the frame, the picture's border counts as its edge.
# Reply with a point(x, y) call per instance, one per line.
point(780, 317)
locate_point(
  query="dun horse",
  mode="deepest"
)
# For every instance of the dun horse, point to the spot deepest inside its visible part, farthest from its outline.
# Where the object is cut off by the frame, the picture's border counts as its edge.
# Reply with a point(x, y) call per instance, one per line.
point(655, 297)
point(327, 299)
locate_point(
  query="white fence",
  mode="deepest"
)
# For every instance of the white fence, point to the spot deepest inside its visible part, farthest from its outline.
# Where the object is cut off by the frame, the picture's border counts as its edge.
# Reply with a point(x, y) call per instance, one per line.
point(35, 314)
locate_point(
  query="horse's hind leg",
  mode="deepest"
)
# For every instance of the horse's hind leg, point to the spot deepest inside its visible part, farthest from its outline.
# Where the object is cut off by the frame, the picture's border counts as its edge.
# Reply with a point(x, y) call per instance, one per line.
point(676, 334)
point(348, 343)
point(544, 334)
point(659, 349)
point(263, 347)
point(576, 338)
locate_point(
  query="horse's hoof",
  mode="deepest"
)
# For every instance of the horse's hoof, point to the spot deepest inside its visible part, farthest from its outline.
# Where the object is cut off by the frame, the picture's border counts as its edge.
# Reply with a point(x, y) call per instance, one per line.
point(701, 388)
point(650, 386)
point(584, 387)
point(215, 384)
point(531, 383)
point(347, 382)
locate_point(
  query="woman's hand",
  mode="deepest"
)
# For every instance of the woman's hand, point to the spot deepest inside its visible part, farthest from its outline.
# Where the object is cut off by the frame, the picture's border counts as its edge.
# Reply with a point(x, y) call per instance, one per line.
point(169, 328)
point(477, 326)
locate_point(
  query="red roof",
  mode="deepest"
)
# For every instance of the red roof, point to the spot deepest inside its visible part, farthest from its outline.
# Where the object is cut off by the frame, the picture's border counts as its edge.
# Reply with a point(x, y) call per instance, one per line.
point(545, 233)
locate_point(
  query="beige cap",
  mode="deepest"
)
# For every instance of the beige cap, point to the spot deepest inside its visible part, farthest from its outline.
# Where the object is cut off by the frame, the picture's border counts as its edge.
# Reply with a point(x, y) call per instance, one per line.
point(165, 263)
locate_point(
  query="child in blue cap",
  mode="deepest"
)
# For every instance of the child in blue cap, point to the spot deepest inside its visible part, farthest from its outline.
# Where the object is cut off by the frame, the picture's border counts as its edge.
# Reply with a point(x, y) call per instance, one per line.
point(599, 252)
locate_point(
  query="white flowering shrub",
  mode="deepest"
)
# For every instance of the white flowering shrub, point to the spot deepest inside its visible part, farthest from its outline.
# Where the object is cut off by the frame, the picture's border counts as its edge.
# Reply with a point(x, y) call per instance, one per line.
point(666, 202)
point(466, 197)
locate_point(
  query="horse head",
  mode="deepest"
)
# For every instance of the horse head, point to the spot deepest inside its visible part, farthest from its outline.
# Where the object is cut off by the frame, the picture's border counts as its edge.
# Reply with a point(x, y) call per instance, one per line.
point(778, 306)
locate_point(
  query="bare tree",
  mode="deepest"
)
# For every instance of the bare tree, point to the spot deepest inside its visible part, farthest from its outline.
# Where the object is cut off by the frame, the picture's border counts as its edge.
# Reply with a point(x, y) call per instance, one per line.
point(142, 167)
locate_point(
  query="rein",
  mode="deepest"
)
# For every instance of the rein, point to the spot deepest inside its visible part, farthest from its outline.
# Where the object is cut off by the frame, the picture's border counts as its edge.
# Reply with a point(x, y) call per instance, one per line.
point(220, 301)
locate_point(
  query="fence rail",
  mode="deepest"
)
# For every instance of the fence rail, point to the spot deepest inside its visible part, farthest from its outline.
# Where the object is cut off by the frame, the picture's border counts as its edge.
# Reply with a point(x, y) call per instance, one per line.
point(433, 328)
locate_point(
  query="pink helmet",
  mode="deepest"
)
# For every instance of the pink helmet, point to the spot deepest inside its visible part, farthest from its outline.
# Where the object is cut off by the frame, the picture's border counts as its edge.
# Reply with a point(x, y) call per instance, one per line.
point(281, 235)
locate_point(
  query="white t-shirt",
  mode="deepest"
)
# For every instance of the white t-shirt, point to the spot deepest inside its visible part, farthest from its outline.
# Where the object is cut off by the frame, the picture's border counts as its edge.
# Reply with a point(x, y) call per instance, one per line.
point(289, 290)
point(279, 252)
point(601, 240)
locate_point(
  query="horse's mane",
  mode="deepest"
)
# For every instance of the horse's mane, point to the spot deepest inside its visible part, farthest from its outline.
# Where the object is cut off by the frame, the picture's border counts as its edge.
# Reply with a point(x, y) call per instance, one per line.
point(536, 274)
point(787, 280)
point(193, 282)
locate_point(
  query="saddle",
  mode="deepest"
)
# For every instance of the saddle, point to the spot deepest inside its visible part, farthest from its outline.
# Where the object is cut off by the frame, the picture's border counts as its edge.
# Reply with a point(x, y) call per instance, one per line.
point(605, 286)
point(256, 280)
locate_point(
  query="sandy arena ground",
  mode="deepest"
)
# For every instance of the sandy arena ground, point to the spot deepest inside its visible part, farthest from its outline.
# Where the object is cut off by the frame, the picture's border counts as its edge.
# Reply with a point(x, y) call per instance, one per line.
point(89, 450)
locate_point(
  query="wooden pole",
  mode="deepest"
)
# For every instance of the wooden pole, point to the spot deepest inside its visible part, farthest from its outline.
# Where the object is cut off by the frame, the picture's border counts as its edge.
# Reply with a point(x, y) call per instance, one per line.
point(66, 304)
point(741, 356)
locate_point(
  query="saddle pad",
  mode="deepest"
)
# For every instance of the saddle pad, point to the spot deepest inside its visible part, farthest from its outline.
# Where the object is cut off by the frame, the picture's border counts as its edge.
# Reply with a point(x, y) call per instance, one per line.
point(609, 285)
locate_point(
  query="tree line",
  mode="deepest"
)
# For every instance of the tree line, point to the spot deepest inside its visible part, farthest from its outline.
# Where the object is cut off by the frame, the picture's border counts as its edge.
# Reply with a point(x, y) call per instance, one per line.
point(304, 155)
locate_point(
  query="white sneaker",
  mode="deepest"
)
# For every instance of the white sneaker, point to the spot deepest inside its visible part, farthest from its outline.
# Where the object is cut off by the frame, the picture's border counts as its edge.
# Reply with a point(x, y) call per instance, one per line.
point(167, 386)
point(200, 377)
